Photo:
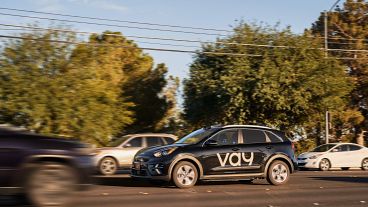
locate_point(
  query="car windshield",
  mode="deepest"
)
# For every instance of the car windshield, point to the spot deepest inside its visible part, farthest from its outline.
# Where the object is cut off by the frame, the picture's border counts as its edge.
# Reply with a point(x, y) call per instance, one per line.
point(118, 141)
point(196, 136)
point(324, 148)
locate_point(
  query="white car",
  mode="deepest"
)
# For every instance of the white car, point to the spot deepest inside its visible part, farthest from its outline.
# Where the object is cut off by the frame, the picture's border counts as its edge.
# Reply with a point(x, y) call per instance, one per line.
point(120, 153)
point(335, 155)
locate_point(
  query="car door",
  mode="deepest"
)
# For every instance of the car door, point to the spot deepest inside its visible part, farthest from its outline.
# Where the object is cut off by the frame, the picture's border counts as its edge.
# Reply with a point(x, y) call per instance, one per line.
point(223, 156)
point(11, 156)
point(355, 156)
point(128, 149)
point(259, 145)
point(339, 156)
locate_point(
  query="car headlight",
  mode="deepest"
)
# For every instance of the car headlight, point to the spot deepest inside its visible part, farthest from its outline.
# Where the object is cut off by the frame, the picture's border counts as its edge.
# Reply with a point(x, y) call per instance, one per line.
point(164, 152)
point(314, 157)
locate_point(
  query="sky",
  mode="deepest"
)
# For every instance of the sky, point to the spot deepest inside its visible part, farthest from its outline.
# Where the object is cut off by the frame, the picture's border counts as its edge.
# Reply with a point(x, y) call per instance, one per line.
point(215, 14)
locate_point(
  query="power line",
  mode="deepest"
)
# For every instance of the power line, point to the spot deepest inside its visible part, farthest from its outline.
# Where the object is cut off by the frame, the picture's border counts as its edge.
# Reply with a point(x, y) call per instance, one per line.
point(141, 23)
point(110, 25)
point(181, 40)
point(152, 38)
point(131, 47)
point(150, 48)
point(157, 38)
point(115, 20)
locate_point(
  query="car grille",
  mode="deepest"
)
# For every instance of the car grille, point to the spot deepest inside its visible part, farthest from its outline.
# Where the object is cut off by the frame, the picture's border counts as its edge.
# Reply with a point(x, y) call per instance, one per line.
point(301, 164)
point(302, 158)
point(141, 159)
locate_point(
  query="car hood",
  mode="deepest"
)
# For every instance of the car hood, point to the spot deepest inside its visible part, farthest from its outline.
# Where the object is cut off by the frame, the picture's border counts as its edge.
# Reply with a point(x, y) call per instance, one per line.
point(150, 150)
point(310, 154)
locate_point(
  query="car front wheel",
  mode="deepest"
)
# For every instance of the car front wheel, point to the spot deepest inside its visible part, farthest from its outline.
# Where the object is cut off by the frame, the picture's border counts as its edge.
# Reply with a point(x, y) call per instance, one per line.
point(185, 175)
point(278, 173)
point(51, 184)
point(108, 166)
point(324, 165)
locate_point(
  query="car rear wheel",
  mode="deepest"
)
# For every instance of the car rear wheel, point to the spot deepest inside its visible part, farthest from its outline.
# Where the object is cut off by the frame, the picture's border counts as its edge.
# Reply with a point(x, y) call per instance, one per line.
point(51, 184)
point(365, 164)
point(108, 166)
point(278, 173)
point(324, 165)
point(185, 175)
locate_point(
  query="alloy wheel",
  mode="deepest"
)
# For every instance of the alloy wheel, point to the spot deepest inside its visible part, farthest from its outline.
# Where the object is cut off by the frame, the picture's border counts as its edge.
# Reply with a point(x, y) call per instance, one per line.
point(279, 173)
point(365, 164)
point(324, 165)
point(108, 166)
point(186, 175)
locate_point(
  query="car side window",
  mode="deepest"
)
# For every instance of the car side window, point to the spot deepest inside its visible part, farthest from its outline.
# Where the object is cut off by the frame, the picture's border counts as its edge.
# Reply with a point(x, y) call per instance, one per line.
point(154, 141)
point(252, 136)
point(354, 147)
point(226, 137)
point(342, 148)
point(135, 142)
point(273, 138)
point(168, 140)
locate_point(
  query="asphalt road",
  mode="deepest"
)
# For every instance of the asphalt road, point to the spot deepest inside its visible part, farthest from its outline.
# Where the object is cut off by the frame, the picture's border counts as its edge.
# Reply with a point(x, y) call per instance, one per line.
point(305, 188)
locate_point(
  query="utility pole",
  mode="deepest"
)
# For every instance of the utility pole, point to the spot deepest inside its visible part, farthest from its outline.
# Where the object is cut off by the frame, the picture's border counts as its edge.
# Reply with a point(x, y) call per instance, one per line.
point(326, 33)
point(326, 56)
point(327, 126)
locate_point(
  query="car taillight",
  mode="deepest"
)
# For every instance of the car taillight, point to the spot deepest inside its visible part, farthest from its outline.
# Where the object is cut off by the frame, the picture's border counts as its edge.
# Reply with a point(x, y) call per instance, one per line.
point(293, 146)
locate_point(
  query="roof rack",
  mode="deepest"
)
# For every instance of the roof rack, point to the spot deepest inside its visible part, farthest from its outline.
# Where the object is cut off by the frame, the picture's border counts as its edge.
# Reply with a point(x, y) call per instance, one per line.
point(249, 126)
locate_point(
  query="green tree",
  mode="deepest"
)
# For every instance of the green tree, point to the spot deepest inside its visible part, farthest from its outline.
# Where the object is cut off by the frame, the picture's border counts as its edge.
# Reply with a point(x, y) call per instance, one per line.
point(286, 87)
point(93, 90)
point(348, 30)
point(142, 82)
point(172, 121)
point(47, 88)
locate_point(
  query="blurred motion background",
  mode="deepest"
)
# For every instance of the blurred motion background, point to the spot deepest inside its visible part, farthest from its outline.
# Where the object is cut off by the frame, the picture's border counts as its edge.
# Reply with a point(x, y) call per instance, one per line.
point(95, 86)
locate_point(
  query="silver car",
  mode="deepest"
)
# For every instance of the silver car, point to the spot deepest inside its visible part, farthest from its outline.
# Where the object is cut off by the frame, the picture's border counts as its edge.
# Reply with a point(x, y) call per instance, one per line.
point(120, 153)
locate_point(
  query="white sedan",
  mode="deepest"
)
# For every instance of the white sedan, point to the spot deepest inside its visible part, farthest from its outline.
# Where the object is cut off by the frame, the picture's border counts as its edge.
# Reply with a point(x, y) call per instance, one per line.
point(335, 155)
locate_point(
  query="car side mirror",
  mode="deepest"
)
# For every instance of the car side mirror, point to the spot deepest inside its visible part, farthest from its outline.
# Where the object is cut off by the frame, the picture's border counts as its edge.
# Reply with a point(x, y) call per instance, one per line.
point(335, 150)
point(211, 142)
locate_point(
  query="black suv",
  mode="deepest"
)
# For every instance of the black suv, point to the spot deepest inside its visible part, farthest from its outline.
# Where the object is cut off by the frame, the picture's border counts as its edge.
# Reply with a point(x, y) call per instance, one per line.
point(47, 169)
point(220, 152)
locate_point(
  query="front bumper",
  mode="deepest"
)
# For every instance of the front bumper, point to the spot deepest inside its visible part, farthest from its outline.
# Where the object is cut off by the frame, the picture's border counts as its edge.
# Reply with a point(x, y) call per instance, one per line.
point(308, 163)
point(150, 168)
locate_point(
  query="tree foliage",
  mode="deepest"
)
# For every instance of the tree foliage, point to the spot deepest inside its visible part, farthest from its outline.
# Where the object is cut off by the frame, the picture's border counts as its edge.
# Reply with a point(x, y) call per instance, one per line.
point(91, 91)
point(348, 30)
point(285, 87)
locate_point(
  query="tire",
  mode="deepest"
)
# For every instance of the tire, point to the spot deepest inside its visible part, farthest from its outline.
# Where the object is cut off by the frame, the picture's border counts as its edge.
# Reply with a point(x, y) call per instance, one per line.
point(108, 166)
point(365, 164)
point(324, 165)
point(345, 168)
point(278, 173)
point(51, 184)
point(185, 175)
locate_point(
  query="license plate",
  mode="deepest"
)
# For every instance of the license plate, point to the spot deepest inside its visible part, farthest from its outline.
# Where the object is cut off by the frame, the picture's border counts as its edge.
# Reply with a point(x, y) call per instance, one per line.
point(137, 165)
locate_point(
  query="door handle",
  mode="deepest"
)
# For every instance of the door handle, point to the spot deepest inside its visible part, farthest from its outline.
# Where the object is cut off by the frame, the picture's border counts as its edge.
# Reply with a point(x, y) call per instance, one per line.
point(236, 149)
point(269, 147)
